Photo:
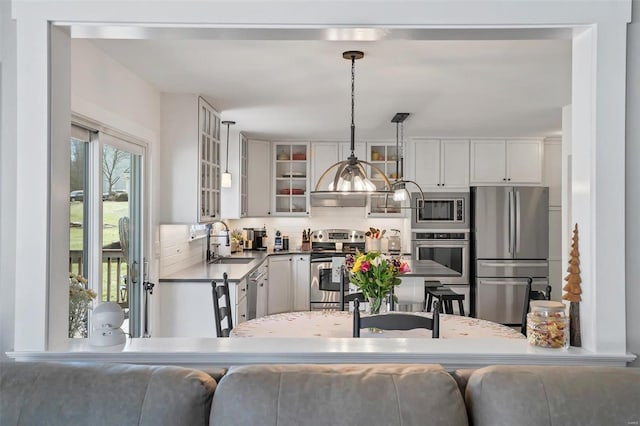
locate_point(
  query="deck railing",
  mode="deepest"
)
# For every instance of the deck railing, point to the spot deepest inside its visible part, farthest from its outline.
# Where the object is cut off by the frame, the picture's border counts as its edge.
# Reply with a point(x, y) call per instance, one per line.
point(114, 274)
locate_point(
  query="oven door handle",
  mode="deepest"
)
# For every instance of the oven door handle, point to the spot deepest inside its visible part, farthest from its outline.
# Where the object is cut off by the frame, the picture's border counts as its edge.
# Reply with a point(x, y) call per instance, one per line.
point(322, 260)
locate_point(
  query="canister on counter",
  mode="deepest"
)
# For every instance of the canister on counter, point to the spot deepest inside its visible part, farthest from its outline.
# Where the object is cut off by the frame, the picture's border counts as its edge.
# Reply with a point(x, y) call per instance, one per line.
point(285, 242)
point(548, 325)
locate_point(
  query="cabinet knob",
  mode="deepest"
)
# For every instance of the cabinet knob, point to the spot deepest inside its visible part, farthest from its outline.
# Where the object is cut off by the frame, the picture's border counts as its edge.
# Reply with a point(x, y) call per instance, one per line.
point(509, 179)
point(290, 260)
point(243, 316)
point(504, 178)
point(261, 284)
point(268, 212)
point(244, 289)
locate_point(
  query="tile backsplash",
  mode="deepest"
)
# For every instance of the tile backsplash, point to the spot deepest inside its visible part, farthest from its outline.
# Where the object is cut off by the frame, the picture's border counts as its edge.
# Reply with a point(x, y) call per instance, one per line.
point(178, 250)
point(325, 218)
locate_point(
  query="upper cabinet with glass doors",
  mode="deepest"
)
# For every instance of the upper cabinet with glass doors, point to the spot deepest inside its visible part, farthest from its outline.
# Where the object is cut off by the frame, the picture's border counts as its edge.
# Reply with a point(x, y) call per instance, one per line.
point(189, 160)
point(384, 157)
point(291, 179)
point(209, 164)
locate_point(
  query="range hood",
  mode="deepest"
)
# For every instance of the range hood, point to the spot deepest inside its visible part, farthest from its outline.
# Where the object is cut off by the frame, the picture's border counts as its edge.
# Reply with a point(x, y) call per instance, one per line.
point(337, 199)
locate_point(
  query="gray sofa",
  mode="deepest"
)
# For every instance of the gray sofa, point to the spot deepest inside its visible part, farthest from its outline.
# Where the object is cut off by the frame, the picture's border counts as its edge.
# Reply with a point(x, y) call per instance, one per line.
point(283, 395)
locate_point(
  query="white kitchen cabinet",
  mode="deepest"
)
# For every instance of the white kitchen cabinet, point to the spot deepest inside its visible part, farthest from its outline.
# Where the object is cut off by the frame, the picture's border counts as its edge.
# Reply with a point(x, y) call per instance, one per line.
point(185, 309)
point(441, 163)
point(290, 179)
point(190, 160)
point(280, 297)
point(500, 161)
point(288, 287)
point(258, 178)
point(553, 170)
point(383, 155)
point(301, 282)
point(238, 297)
point(323, 156)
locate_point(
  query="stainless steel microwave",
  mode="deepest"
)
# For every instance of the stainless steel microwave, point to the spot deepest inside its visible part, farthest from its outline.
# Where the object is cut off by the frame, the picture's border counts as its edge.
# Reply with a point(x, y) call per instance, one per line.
point(440, 210)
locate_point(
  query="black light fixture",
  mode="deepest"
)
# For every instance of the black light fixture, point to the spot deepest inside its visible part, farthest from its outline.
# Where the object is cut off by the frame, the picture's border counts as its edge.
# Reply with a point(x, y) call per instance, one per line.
point(350, 176)
point(225, 181)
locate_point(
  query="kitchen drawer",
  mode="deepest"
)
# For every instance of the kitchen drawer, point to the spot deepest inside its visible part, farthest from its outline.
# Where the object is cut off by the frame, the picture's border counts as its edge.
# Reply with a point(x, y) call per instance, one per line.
point(241, 311)
point(241, 291)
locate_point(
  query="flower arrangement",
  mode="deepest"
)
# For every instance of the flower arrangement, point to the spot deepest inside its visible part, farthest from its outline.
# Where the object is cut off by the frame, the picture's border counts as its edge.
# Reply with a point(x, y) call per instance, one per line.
point(80, 298)
point(375, 275)
point(236, 235)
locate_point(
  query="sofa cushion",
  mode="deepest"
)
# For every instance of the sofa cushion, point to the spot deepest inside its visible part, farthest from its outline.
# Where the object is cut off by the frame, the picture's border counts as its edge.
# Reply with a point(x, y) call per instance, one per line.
point(540, 395)
point(288, 395)
point(103, 394)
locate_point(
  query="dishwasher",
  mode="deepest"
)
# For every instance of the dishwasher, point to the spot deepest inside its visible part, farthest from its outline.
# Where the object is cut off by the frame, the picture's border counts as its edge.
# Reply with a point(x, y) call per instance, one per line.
point(256, 293)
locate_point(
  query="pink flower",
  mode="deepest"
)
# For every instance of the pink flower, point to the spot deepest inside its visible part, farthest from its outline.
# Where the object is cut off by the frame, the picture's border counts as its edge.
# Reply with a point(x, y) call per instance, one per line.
point(404, 268)
point(365, 266)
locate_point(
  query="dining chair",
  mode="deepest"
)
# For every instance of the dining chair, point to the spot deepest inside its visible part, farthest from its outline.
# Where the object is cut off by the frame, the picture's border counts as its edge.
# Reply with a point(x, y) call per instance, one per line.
point(221, 291)
point(530, 295)
point(392, 321)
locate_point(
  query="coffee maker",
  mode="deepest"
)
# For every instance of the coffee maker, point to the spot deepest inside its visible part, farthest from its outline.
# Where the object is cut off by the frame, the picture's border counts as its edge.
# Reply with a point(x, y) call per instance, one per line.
point(255, 238)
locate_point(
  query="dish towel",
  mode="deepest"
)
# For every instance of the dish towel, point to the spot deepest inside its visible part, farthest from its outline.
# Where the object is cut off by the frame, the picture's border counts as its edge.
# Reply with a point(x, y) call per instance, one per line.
point(336, 268)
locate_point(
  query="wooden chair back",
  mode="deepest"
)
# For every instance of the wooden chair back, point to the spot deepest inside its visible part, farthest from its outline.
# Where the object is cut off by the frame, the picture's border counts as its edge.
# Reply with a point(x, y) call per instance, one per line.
point(530, 295)
point(221, 291)
point(393, 321)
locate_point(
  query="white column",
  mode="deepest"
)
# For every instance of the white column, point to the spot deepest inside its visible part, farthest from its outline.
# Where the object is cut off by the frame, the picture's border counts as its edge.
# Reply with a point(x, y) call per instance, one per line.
point(32, 198)
point(60, 113)
point(598, 129)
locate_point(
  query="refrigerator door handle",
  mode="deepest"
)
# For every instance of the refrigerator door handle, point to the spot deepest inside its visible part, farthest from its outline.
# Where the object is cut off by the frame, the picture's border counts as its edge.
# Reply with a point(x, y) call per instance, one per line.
point(514, 265)
point(511, 223)
point(504, 282)
point(517, 233)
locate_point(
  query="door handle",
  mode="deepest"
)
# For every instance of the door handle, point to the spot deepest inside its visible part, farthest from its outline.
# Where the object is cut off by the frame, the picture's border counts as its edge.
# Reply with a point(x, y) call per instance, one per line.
point(517, 233)
point(511, 222)
point(514, 265)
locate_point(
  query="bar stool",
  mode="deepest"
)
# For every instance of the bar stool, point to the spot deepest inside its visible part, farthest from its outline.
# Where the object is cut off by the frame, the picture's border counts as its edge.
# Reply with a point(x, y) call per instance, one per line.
point(446, 296)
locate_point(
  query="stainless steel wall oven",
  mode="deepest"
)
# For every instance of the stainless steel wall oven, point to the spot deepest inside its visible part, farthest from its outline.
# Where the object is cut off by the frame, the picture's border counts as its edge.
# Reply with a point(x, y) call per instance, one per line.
point(449, 249)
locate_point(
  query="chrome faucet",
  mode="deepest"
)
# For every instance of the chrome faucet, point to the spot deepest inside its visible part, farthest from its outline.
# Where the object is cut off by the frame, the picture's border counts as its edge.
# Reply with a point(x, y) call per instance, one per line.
point(210, 254)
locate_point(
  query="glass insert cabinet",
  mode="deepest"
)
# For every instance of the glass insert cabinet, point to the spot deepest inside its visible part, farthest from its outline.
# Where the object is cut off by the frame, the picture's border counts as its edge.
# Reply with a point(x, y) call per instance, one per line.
point(291, 181)
point(383, 156)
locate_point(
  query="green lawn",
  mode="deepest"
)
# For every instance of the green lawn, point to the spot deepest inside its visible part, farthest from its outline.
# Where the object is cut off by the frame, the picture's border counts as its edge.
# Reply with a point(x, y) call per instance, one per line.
point(112, 211)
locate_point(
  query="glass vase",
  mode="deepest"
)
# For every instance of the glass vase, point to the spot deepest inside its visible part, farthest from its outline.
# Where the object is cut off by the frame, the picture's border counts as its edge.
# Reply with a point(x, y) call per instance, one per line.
point(377, 305)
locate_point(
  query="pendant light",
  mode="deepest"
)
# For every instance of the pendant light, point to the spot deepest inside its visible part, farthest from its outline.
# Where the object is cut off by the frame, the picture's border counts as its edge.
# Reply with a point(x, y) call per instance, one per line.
point(399, 186)
point(225, 182)
point(350, 176)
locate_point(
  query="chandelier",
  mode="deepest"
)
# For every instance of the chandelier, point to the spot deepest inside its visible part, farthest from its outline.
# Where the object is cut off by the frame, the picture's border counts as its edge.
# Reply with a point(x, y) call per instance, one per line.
point(350, 175)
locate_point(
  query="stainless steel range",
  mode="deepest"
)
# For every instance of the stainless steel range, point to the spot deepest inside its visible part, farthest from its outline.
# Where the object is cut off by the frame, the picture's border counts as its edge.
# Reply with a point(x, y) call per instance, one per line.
point(328, 250)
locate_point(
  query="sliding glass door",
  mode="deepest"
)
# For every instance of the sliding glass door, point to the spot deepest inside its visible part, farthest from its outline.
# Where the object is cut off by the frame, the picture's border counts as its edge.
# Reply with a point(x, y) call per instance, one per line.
point(106, 205)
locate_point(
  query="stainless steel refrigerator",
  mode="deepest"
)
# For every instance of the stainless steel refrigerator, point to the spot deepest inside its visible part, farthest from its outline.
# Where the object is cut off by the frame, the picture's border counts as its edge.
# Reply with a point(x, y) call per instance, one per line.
point(510, 242)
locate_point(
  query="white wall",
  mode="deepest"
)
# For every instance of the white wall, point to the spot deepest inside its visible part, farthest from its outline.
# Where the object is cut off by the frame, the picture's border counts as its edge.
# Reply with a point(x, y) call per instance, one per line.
point(633, 187)
point(8, 188)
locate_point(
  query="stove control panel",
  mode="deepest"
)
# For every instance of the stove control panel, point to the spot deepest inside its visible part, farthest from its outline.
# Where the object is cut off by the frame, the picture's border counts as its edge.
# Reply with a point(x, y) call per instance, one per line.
point(337, 236)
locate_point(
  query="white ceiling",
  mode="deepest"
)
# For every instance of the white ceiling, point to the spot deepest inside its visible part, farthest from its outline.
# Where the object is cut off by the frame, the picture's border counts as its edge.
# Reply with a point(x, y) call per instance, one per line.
point(300, 89)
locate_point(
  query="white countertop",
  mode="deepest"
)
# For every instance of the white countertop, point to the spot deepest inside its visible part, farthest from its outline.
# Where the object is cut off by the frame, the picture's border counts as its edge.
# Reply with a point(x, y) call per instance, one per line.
point(224, 352)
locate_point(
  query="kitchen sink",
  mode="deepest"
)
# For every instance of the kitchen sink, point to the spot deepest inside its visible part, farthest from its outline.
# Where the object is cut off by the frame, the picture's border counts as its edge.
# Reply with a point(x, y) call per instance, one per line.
point(233, 260)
